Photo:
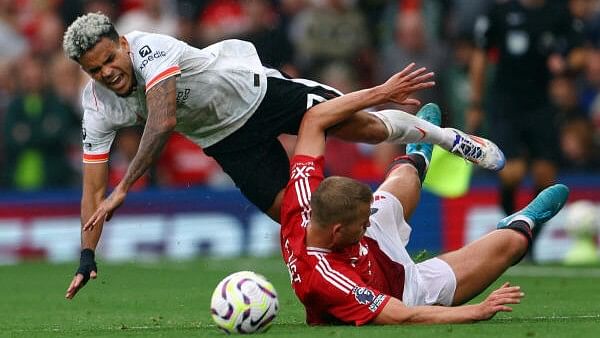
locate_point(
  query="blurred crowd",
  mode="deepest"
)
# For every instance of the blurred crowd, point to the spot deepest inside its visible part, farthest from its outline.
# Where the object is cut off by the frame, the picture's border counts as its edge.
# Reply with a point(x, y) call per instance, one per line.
point(348, 44)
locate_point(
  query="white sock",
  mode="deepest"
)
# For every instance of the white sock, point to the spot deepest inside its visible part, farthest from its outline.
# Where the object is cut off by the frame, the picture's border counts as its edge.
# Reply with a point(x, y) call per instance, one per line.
point(406, 128)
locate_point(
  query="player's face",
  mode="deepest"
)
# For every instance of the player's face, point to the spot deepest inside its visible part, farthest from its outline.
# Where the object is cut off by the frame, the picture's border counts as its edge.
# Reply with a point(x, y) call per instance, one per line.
point(108, 62)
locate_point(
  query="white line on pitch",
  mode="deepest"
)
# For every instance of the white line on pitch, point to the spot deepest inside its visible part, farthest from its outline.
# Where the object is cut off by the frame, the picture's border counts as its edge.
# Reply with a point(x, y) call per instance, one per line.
point(552, 317)
point(553, 271)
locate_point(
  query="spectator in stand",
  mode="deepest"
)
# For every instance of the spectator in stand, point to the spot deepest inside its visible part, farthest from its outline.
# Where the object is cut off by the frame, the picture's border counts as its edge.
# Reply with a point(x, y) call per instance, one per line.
point(268, 36)
point(47, 38)
point(10, 34)
point(578, 148)
point(154, 16)
point(34, 132)
point(332, 30)
point(183, 164)
point(455, 85)
point(576, 133)
point(411, 43)
point(590, 99)
point(66, 81)
point(221, 19)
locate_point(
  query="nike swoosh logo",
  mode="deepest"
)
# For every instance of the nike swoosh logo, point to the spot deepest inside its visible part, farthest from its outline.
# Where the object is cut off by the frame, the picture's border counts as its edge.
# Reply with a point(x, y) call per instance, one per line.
point(422, 131)
point(259, 319)
point(478, 140)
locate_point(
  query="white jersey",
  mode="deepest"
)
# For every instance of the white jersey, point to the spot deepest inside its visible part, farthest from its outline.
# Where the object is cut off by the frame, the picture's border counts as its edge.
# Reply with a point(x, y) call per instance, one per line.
point(218, 89)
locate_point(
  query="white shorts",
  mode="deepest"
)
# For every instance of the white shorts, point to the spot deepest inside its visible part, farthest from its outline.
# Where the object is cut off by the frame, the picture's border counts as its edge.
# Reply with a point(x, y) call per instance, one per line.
point(427, 283)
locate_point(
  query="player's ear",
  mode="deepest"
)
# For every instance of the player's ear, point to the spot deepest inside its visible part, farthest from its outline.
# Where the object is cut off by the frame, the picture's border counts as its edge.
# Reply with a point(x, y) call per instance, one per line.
point(336, 230)
point(123, 43)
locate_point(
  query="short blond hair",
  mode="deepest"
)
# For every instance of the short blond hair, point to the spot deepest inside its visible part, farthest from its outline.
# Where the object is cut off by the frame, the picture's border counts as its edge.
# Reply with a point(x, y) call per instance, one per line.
point(337, 200)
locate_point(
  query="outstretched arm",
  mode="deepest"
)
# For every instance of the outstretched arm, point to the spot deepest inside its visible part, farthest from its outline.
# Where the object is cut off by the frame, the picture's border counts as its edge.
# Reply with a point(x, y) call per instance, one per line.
point(397, 89)
point(95, 179)
point(162, 119)
point(395, 312)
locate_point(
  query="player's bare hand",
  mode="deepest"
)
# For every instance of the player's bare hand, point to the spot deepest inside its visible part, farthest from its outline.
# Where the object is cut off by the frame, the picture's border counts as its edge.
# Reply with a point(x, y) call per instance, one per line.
point(106, 209)
point(401, 85)
point(87, 269)
point(498, 301)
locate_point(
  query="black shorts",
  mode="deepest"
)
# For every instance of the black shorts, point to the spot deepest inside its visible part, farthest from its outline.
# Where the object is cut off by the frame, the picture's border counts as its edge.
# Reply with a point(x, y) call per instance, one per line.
point(524, 131)
point(253, 156)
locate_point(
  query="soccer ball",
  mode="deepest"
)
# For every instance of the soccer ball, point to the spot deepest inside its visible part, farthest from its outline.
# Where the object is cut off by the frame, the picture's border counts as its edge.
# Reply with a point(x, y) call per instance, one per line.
point(582, 219)
point(244, 302)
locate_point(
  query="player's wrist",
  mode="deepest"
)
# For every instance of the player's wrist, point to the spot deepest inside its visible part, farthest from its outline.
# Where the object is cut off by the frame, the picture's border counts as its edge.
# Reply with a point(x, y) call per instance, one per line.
point(87, 257)
point(87, 264)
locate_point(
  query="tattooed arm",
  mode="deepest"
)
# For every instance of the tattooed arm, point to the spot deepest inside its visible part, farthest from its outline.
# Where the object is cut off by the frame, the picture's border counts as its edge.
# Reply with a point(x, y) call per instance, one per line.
point(161, 103)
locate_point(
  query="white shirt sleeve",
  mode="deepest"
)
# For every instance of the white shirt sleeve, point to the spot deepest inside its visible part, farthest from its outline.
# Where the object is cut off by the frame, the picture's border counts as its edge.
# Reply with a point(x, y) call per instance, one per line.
point(96, 134)
point(155, 56)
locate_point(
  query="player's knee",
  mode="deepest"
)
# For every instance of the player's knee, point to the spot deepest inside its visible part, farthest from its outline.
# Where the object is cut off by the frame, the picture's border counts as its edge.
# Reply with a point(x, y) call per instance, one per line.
point(361, 127)
point(404, 174)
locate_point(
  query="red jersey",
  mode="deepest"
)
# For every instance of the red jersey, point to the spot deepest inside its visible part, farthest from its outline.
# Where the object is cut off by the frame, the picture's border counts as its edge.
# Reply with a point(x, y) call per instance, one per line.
point(350, 287)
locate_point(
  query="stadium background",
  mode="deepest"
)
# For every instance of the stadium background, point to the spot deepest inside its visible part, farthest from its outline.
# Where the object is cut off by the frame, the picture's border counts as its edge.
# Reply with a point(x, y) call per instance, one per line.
point(185, 206)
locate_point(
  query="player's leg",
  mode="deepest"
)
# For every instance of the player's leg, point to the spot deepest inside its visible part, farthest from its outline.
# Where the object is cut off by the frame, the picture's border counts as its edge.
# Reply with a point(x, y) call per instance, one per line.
point(480, 263)
point(260, 172)
point(403, 128)
point(508, 127)
point(510, 178)
point(544, 148)
point(406, 173)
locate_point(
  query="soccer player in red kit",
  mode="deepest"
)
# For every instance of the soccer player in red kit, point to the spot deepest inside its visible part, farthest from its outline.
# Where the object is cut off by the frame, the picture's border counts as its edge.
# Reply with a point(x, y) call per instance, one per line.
point(344, 246)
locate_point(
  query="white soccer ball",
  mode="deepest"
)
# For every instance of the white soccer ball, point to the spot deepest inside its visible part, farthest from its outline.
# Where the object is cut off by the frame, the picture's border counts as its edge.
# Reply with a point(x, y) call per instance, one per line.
point(244, 302)
point(582, 219)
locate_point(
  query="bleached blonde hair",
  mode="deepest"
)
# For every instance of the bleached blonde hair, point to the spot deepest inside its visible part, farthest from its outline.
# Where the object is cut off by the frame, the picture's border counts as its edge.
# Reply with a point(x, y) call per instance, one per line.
point(83, 34)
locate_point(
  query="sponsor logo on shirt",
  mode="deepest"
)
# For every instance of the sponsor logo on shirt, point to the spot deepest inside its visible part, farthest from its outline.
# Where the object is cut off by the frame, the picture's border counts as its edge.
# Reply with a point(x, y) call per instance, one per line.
point(376, 303)
point(183, 95)
point(144, 51)
point(152, 57)
point(363, 295)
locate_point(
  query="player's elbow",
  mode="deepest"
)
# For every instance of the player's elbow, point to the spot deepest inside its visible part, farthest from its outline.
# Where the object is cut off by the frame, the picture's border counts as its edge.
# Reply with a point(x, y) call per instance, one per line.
point(394, 313)
point(392, 319)
point(315, 118)
point(169, 124)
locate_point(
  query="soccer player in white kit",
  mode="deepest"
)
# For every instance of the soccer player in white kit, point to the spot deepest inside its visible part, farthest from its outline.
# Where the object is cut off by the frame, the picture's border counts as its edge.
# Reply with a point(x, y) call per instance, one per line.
point(222, 98)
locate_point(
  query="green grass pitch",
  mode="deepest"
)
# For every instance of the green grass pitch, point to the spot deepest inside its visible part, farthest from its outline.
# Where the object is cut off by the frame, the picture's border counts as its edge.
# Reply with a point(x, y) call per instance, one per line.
point(172, 300)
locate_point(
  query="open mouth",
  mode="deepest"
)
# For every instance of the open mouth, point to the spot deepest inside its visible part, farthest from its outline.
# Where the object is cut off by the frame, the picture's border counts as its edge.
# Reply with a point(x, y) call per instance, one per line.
point(116, 81)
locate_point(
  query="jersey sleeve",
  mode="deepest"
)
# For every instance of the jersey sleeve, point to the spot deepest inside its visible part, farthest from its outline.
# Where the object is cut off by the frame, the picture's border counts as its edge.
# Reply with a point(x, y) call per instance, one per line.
point(306, 173)
point(348, 299)
point(156, 57)
point(97, 134)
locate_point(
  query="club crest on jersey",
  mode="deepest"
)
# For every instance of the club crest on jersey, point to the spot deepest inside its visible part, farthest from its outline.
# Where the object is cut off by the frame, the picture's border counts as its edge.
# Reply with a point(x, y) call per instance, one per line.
point(145, 51)
point(363, 295)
